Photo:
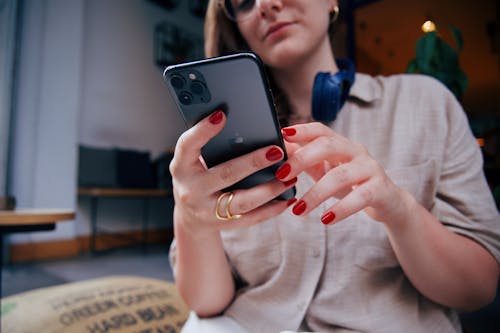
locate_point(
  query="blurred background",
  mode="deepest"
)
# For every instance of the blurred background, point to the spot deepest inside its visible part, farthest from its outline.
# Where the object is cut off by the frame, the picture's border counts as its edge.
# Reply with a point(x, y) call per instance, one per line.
point(81, 85)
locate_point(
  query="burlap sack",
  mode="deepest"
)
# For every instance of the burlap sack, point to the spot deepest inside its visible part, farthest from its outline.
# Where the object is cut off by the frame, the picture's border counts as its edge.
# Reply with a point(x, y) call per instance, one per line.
point(105, 305)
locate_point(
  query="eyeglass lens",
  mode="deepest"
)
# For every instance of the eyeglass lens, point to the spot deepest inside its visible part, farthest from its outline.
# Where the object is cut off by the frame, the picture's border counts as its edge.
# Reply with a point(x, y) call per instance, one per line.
point(238, 9)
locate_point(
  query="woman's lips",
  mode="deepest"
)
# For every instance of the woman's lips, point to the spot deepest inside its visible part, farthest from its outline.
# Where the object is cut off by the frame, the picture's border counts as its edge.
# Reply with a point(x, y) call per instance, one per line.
point(275, 28)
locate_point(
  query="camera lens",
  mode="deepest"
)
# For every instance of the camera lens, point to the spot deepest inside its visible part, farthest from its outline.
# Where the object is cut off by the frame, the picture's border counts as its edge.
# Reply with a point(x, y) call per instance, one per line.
point(197, 87)
point(185, 98)
point(177, 81)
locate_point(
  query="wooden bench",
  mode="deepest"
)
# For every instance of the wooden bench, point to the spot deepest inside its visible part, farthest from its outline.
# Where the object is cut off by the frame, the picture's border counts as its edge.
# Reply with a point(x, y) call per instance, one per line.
point(95, 193)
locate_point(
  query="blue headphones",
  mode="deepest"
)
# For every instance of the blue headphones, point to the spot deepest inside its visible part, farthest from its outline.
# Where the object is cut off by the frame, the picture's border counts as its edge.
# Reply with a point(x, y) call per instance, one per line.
point(331, 91)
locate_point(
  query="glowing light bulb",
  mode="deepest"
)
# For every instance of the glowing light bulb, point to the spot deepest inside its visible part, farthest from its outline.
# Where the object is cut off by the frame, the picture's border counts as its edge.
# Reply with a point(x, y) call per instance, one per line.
point(428, 26)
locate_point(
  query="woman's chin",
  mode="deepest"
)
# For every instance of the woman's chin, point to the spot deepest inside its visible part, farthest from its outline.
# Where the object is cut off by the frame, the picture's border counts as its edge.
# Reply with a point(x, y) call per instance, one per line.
point(283, 56)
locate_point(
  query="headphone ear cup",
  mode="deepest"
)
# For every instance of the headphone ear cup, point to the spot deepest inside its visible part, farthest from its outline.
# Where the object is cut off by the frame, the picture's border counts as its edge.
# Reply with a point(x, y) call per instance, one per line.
point(331, 91)
point(326, 97)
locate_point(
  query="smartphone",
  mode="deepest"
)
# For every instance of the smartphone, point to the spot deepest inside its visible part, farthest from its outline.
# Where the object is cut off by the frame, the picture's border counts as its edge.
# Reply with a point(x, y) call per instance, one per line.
point(237, 85)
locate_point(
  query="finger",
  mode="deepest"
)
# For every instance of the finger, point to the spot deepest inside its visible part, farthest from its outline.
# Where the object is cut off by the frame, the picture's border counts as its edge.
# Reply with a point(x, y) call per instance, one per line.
point(318, 171)
point(256, 216)
point(315, 172)
point(338, 180)
point(189, 144)
point(230, 172)
point(358, 199)
point(291, 147)
point(252, 205)
point(247, 200)
point(306, 132)
point(333, 149)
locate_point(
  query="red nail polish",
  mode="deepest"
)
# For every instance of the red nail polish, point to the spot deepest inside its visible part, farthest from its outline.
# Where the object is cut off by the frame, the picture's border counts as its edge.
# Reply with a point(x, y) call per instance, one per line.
point(290, 182)
point(328, 217)
point(283, 171)
point(291, 202)
point(216, 117)
point(289, 131)
point(299, 207)
point(274, 154)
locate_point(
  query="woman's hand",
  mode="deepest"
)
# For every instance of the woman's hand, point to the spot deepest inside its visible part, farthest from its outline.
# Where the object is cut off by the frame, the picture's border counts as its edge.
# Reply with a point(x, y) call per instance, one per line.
point(197, 189)
point(341, 169)
point(446, 267)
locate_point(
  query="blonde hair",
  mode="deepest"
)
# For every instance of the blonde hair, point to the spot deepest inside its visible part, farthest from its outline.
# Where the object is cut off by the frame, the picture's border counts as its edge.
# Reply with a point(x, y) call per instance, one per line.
point(222, 35)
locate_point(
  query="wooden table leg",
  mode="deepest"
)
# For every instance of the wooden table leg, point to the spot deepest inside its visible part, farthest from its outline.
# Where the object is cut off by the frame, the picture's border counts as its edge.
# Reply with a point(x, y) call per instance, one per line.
point(145, 220)
point(93, 219)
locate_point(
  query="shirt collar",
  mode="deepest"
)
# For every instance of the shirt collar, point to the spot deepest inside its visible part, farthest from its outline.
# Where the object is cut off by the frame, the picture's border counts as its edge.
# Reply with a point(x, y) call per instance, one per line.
point(366, 88)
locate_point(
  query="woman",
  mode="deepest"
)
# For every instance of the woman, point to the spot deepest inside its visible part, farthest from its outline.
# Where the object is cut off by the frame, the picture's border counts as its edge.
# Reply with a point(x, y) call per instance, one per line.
point(409, 230)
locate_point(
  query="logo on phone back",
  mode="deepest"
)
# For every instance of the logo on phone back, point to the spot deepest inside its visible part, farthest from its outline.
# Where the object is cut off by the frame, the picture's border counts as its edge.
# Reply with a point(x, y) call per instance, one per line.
point(237, 143)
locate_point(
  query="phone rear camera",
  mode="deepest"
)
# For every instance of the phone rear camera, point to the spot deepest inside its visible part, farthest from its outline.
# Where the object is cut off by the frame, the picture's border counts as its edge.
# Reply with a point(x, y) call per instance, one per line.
point(177, 81)
point(197, 87)
point(185, 98)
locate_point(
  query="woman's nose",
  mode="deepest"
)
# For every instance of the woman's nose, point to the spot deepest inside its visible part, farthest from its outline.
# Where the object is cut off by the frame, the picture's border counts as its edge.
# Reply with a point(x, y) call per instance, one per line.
point(269, 7)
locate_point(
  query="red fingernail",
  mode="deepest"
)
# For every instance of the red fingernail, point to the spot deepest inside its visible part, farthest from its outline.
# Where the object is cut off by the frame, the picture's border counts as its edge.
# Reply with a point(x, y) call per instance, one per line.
point(216, 117)
point(327, 218)
point(283, 171)
point(290, 182)
point(291, 202)
point(299, 207)
point(274, 154)
point(288, 131)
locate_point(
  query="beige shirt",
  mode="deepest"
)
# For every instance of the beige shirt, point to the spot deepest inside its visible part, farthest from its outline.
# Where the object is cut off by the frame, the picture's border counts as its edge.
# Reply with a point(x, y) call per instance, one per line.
point(295, 273)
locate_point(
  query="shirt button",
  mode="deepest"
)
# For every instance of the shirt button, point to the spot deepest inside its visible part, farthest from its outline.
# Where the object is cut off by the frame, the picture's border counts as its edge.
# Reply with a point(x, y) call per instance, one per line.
point(316, 253)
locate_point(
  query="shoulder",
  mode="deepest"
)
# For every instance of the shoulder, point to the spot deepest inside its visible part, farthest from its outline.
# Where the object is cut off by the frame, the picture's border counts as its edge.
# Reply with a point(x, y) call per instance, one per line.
point(421, 93)
point(419, 104)
point(410, 85)
point(417, 84)
point(415, 80)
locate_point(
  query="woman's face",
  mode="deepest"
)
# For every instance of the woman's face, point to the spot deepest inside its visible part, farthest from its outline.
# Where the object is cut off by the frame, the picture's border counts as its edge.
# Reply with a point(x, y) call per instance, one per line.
point(285, 32)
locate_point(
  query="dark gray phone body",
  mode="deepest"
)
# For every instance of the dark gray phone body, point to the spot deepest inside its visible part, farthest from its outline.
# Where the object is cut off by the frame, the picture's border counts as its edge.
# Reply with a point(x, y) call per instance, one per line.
point(237, 85)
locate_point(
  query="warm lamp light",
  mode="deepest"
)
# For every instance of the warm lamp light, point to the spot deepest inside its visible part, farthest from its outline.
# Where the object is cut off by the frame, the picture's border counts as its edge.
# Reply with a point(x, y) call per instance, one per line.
point(480, 141)
point(428, 26)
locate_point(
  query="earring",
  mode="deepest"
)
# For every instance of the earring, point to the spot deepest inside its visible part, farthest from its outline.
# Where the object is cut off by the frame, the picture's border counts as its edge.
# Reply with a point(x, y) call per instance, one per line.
point(335, 14)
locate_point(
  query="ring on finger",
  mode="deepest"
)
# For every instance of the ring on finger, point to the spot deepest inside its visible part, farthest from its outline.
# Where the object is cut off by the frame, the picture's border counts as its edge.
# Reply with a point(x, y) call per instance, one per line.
point(226, 208)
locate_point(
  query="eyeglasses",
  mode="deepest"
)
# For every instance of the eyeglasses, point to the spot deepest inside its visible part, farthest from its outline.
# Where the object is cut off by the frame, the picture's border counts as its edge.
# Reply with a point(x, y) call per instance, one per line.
point(238, 10)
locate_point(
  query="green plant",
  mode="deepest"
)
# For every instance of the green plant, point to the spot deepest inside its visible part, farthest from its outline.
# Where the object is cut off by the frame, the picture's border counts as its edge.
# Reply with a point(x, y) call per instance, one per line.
point(437, 58)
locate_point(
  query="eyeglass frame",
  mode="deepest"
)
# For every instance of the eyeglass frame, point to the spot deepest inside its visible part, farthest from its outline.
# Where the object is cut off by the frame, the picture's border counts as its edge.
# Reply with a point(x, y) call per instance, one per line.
point(227, 12)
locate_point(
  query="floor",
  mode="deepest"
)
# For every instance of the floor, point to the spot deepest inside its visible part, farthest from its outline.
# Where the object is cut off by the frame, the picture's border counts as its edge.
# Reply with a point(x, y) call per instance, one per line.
point(152, 263)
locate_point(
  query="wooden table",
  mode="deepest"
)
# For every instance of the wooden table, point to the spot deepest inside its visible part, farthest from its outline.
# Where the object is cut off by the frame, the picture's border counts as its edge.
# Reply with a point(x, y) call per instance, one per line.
point(21, 219)
point(95, 193)
point(29, 220)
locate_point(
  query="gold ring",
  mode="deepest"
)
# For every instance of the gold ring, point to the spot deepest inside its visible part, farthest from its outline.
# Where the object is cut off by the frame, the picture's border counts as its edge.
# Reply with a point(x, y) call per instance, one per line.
point(226, 209)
